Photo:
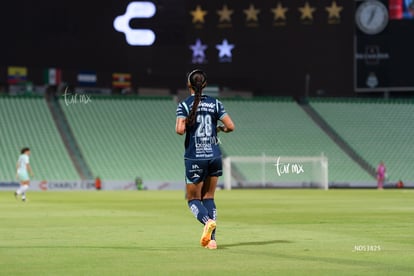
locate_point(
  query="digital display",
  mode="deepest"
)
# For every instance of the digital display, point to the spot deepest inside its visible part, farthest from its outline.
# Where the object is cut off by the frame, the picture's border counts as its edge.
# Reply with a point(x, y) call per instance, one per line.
point(383, 56)
point(401, 9)
point(281, 48)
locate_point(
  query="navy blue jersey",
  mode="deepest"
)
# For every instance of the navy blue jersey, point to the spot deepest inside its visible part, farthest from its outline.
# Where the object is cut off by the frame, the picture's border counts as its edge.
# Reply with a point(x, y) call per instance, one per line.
point(201, 138)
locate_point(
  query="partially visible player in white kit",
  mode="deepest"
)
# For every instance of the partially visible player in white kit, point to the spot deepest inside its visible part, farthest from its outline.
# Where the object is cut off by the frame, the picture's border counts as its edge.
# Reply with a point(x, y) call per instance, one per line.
point(23, 170)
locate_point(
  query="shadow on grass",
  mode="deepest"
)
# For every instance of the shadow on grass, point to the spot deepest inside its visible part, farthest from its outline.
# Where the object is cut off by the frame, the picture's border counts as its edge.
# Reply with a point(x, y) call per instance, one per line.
point(227, 246)
point(136, 247)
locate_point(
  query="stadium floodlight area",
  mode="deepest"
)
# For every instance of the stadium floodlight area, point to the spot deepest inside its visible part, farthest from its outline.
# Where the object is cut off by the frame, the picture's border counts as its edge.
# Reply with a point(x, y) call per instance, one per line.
point(275, 172)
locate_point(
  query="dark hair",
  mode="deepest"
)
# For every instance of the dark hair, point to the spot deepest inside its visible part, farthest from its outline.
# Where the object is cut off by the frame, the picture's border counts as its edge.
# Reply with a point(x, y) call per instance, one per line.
point(24, 150)
point(196, 80)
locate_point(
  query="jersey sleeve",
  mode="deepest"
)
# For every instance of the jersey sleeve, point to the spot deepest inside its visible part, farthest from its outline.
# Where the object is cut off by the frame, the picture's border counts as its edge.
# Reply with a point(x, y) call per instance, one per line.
point(182, 110)
point(220, 110)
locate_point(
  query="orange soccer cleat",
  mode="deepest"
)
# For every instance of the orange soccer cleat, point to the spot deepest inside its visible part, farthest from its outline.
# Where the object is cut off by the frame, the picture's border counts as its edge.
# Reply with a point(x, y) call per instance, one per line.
point(208, 229)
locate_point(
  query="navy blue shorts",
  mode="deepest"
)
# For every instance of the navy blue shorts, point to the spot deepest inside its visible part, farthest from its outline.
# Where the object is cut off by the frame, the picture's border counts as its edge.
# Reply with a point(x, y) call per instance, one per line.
point(196, 171)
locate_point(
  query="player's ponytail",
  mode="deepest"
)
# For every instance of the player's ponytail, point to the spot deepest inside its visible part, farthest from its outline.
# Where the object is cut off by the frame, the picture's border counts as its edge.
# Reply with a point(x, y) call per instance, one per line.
point(196, 80)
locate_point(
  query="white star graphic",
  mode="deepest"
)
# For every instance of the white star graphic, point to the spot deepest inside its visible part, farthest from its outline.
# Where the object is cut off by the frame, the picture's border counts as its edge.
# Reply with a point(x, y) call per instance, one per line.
point(198, 49)
point(224, 49)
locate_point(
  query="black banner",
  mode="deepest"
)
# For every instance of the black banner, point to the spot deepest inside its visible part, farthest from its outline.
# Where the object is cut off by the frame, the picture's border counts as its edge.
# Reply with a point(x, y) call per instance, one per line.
point(281, 47)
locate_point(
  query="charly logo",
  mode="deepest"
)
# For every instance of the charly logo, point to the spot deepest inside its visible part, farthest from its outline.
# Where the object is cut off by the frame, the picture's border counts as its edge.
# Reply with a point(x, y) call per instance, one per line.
point(136, 37)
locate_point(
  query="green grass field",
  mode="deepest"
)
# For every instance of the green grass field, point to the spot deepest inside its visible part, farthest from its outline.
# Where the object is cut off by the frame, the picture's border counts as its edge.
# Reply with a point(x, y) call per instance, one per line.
point(260, 232)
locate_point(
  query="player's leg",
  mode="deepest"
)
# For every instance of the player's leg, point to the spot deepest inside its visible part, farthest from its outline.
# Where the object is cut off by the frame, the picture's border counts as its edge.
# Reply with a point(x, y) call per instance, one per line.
point(195, 174)
point(215, 169)
point(194, 202)
point(24, 185)
point(24, 188)
point(200, 212)
point(380, 181)
point(209, 188)
point(194, 185)
point(210, 185)
point(208, 192)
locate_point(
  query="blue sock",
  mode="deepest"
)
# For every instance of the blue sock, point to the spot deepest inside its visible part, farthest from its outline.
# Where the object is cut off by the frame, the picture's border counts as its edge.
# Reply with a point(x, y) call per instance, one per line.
point(198, 210)
point(210, 205)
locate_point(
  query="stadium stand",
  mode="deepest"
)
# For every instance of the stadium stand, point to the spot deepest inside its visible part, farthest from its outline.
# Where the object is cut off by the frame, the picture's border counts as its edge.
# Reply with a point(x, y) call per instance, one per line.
point(376, 129)
point(26, 121)
point(279, 127)
point(122, 138)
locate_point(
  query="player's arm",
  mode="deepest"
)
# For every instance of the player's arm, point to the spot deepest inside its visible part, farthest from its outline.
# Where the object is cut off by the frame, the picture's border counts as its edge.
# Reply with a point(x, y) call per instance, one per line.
point(180, 125)
point(228, 125)
point(29, 169)
point(17, 168)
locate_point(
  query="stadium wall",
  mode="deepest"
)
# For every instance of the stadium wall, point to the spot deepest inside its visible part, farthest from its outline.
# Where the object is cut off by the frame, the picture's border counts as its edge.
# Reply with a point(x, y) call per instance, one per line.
point(89, 185)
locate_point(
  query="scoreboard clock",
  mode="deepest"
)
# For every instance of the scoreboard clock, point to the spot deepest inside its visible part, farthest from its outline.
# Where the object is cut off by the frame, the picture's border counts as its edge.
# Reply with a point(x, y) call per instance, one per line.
point(371, 17)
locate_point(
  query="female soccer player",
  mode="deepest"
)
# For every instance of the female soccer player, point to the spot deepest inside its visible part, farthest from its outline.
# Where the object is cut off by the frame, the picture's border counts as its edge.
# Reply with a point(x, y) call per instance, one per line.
point(197, 117)
point(23, 169)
